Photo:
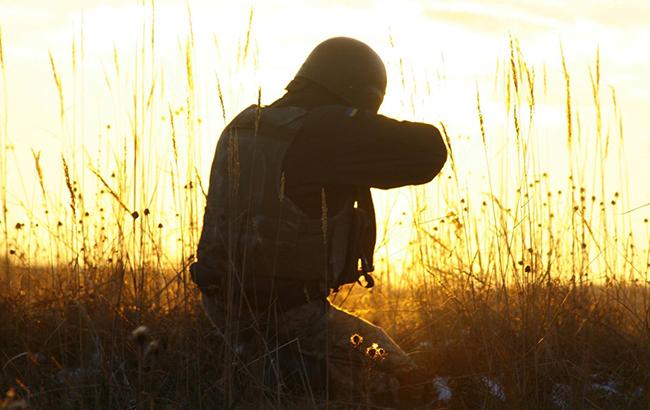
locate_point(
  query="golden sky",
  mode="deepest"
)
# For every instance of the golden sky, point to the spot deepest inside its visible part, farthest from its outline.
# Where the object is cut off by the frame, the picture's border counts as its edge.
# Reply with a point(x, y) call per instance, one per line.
point(453, 46)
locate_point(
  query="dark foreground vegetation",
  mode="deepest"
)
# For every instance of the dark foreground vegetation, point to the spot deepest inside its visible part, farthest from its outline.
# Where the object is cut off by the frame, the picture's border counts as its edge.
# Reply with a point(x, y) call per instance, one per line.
point(525, 290)
point(550, 346)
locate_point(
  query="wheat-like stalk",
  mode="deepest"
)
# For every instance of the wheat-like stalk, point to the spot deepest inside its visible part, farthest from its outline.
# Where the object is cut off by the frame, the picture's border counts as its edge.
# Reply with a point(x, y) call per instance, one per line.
point(59, 86)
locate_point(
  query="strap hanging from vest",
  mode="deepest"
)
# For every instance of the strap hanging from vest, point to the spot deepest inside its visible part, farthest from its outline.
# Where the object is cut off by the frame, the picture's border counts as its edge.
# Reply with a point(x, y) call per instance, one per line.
point(368, 240)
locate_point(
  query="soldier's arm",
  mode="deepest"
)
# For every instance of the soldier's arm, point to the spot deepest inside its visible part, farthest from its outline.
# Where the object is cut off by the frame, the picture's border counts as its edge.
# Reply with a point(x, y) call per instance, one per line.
point(339, 145)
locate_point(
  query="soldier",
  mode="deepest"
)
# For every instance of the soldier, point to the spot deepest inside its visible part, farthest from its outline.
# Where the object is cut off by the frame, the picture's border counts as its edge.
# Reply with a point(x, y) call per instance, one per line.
point(290, 218)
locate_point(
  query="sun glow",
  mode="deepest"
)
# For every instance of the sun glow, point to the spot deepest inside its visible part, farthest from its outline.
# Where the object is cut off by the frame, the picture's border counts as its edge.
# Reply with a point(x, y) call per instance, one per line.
point(519, 275)
point(145, 91)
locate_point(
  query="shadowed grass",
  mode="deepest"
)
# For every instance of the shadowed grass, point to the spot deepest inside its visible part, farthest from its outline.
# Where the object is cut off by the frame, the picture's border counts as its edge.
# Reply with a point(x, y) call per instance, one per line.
point(517, 294)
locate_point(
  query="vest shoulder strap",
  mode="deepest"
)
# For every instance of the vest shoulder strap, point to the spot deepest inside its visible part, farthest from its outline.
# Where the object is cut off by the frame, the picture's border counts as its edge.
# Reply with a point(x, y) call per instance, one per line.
point(277, 117)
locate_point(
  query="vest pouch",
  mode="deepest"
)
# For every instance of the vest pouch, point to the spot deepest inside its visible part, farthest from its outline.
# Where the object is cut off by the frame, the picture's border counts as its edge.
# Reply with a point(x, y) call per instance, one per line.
point(272, 242)
point(360, 225)
point(310, 260)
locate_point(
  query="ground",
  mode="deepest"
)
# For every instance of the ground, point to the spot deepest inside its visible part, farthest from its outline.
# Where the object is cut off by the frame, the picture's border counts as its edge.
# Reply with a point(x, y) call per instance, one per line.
point(556, 346)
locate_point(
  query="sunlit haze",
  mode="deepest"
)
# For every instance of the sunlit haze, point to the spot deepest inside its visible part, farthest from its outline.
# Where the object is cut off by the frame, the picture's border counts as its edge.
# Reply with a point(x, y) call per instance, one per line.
point(439, 55)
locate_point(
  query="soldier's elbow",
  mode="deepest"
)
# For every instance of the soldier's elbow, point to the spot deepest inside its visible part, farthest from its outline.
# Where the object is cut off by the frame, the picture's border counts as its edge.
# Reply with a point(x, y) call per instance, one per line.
point(434, 155)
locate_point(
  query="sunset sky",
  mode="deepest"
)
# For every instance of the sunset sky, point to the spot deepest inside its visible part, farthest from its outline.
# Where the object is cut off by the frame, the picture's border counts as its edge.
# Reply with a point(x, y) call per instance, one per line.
point(453, 45)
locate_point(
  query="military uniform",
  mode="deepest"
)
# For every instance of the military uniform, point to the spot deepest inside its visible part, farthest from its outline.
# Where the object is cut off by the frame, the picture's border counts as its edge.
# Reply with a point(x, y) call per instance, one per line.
point(362, 363)
point(289, 218)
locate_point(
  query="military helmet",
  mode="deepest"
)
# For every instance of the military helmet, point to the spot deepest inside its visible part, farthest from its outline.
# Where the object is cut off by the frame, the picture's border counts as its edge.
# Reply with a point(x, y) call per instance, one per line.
point(348, 68)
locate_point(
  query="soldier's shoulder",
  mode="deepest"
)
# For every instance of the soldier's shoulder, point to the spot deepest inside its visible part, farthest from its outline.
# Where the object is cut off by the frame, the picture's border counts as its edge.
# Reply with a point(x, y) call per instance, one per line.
point(335, 110)
point(255, 115)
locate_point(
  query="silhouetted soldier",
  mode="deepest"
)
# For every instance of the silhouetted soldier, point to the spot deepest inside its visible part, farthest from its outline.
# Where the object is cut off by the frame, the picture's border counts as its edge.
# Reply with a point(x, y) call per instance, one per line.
point(289, 218)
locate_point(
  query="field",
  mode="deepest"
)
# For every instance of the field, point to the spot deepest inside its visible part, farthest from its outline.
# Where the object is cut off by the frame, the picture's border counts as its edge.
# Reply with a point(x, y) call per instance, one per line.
point(529, 291)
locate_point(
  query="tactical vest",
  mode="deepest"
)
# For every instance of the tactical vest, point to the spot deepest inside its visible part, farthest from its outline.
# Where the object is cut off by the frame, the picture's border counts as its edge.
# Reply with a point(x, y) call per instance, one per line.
point(252, 230)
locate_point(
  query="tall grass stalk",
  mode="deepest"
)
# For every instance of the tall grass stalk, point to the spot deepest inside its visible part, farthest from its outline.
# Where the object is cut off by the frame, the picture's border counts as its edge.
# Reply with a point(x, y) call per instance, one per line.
point(4, 144)
point(534, 286)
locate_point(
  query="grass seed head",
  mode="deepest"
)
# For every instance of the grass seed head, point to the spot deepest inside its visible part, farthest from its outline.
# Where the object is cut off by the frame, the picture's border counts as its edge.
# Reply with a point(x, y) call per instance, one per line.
point(375, 352)
point(356, 340)
point(140, 334)
point(152, 349)
point(371, 351)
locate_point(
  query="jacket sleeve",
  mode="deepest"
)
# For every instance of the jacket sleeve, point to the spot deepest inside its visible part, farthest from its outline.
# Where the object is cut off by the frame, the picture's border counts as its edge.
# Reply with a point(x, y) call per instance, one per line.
point(340, 145)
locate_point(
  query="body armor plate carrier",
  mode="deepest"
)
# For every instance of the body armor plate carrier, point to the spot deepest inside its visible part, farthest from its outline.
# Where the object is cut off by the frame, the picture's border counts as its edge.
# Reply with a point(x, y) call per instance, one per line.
point(251, 230)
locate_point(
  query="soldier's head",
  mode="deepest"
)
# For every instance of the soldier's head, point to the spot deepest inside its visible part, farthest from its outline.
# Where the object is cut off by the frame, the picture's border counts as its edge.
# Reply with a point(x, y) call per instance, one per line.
point(347, 68)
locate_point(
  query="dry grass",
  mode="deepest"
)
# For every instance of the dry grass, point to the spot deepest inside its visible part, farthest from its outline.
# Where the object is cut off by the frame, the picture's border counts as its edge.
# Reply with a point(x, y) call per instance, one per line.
point(536, 299)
